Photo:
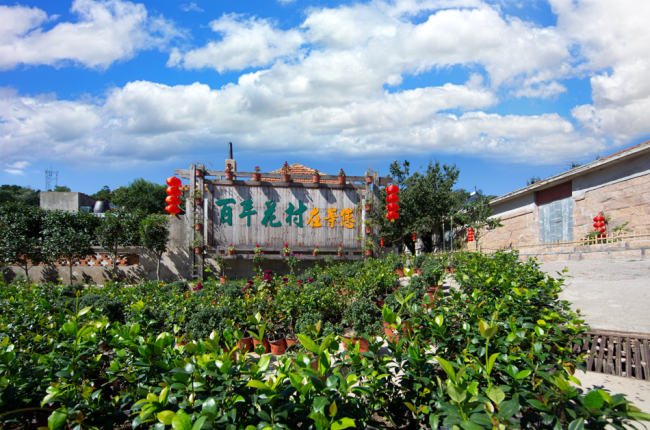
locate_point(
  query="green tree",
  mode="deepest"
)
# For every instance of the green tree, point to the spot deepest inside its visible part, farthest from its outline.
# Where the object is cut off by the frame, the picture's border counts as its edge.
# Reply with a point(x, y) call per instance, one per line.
point(105, 195)
point(61, 189)
point(476, 214)
point(20, 235)
point(68, 236)
point(141, 194)
point(425, 199)
point(533, 180)
point(154, 235)
point(16, 193)
point(118, 228)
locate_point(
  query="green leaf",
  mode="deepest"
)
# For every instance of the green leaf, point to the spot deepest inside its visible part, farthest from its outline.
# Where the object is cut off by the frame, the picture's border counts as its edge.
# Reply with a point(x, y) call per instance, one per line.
point(483, 326)
point(57, 419)
point(491, 361)
point(199, 423)
point(320, 420)
point(343, 423)
point(84, 311)
point(447, 368)
point(593, 399)
point(639, 416)
point(507, 409)
point(309, 344)
point(523, 374)
point(320, 403)
point(468, 425)
point(457, 394)
point(496, 394)
point(258, 384)
point(439, 320)
point(182, 421)
point(209, 406)
point(577, 424)
point(264, 362)
point(539, 330)
point(70, 327)
point(410, 406)
point(333, 410)
point(166, 417)
point(325, 344)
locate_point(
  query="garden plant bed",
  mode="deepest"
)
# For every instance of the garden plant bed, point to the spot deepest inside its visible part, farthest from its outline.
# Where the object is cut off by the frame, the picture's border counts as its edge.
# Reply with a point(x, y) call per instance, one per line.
point(494, 353)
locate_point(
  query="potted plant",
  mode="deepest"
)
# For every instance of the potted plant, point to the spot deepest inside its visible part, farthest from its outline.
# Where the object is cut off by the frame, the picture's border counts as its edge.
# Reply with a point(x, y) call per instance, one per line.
point(221, 263)
point(197, 195)
point(368, 246)
point(199, 170)
point(363, 320)
point(316, 177)
point(198, 226)
point(418, 263)
point(398, 267)
point(286, 250)
point(368, 223)
point(229, 173)
point(316, 251)
point(197, 244)
point(340, 251)
point(368, 204)
point(341, 177)
point(286, 177)
point(231, 249)
point(369, 174)
point(257, 176)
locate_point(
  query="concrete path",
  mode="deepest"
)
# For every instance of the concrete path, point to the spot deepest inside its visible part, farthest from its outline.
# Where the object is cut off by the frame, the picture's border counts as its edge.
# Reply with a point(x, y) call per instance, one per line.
point(612, 294)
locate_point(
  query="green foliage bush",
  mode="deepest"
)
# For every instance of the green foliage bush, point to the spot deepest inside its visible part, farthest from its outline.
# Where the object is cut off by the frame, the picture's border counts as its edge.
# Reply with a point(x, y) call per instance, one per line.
point(110, 307)
point(363, 317)
point(201, 324)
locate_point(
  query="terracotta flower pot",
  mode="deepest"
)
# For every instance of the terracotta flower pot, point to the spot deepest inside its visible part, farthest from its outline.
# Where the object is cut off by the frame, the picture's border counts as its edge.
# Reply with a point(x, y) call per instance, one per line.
point(362, 341)
point(286, 178)
point(229, 176)
point(340, 254)
point(368, 252)
point(315, 254)
point(265, 342)
point(245, 344)
point(341, 180)
point(291, 341)
point(278, 346)
point(417, 271)
point(257, 177)
point(368, 208)
point(286, 254)
point(233, 352)
point(222, 279)
point(316, 179)
point(198, 227)
point(198, 250)
point(368, 179)
point(231, 252)
point(199, 173)
point(368, 230)
point(198, 201)
point(400, 272)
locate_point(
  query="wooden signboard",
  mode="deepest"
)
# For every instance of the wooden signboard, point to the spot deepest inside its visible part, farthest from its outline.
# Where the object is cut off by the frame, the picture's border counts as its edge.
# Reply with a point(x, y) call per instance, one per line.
point(272, 216)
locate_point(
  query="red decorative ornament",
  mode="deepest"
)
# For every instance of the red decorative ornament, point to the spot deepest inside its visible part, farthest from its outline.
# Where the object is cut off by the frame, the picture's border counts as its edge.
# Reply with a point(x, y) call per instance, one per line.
point(392, 198)
point(393, 207)
point(414, 237)
point(392, 189)
point(602, 230)
point(599, 218)
point(381, 242)
point(173, 200)
point(392, 216)
point(172, 209)
point(599, 224)
point(173, 181)
point(173, 191)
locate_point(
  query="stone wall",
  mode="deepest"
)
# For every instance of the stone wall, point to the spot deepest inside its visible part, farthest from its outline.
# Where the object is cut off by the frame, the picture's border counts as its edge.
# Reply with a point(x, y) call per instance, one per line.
point(632, 249)
point(519, 228)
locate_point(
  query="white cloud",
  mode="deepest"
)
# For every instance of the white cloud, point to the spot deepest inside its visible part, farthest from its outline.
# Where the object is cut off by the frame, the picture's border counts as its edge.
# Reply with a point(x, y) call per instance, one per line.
point(18, 165)
point(15, 172)
point(246, 42)
point(106, 32)
point(191, 7)
point(541, 90)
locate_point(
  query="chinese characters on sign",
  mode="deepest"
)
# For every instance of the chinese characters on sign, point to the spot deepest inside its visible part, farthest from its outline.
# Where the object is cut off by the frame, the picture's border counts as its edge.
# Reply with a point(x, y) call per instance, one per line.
point(294, 215)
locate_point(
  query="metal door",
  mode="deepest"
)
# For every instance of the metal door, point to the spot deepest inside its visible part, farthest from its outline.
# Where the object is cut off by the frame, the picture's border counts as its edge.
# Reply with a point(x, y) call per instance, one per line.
point(555, 221)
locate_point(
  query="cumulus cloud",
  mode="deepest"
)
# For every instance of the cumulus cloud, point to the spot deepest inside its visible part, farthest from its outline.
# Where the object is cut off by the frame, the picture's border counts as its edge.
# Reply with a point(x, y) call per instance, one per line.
point(191, 7)
point(106, 32)
point(16, 168)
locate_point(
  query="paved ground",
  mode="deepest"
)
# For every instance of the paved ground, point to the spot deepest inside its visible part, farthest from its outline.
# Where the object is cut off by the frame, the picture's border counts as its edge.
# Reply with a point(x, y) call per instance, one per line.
point(612, 294)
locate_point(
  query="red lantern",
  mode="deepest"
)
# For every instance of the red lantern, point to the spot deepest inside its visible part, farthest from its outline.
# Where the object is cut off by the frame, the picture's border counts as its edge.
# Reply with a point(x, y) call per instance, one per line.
point(414, 237)
point(172, 209)
point(393, 207)
point(173, 200)
point(599, 224)
point(392, 198)
point(381, 242)
point(173, 181)
point(599, 218)
point(173, 191)
point(392, 189)
point(602, 230)
point(392, 216)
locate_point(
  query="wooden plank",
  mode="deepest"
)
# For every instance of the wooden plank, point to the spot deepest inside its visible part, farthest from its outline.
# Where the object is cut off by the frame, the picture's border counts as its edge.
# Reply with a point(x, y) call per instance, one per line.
point(283, 184)
point(638, 372)
point(601, 354)
point(592, 352)
point(646, 359)
point(301, 249)
point(618, 360)
point(628, 360)
point(609, 367)
point(184, 173)
point(210, 254)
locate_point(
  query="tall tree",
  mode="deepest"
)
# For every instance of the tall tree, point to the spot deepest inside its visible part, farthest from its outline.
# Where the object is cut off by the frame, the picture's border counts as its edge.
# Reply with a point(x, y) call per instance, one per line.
point(118, 228)
point(425, 199)
point(104, 195)
point(477, 214)
point(61, 189)
point(16, 193)
point(154, 235)
point(68, 236)
point(20, 235)
point(141, 194)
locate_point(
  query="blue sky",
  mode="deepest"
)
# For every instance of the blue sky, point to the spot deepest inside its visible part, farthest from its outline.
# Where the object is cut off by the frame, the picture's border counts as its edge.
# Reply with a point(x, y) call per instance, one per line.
point(109, 91)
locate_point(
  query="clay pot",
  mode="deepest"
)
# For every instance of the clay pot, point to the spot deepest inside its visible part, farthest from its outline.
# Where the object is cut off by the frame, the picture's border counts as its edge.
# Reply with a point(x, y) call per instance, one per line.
point(368, 208)
point(290, 341)
point(417, 271)
point(315, 254)
point(286, 178)
point(316, 179)
point(257, 177)
point(199, 173)
point(362, 341)
point(286, 254)
point(245, 344)
point(198, 227)
point(341, 180)
point(198, 250)
point(265, 342)
point(229, 176)
point(222, 279)
point(400, 272)
point(198, 201)
point(368, 230)
point(340, 254)
point(390, 333)
point(368, 179)
point(231, 252)
point(368, 252)
point(449, 270)
point(278, 346)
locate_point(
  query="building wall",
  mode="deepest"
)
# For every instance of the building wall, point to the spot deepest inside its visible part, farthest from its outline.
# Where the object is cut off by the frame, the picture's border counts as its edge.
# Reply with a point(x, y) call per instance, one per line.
point(65, 201)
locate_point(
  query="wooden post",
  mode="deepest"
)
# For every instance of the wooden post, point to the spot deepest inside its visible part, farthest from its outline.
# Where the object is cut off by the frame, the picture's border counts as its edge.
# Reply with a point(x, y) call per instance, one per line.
point(189, 218)
point(375, 210)
point(200, 216)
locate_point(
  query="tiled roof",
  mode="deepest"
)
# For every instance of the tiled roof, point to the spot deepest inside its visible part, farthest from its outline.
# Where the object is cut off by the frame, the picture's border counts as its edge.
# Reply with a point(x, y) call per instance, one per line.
point(298, 169)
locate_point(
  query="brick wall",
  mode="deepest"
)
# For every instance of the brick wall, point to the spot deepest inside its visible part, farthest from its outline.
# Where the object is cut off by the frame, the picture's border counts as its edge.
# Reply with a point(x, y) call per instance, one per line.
point(519, 228)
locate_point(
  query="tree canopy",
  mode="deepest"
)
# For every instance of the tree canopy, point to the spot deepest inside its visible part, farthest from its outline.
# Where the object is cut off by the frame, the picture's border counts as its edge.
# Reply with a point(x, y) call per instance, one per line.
point(18, 194)
point(105, 195)
point(141, 194)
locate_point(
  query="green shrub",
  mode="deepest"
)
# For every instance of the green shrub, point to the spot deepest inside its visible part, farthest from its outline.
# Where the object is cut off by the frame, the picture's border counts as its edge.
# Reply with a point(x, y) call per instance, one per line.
point(364, 317)
point(112, 308)
point(231, 291)
point(71, 290)
point(419, 260)
point(202, 323)
point(311, 319)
